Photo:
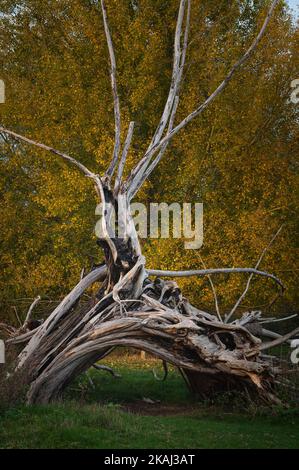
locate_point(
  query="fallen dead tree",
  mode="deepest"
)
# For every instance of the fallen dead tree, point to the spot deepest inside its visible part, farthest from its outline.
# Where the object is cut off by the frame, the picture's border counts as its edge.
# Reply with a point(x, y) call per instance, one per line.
point(134, 306)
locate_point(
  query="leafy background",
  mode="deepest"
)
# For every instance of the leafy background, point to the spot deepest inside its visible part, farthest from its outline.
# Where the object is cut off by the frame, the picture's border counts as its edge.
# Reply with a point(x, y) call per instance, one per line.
point(239, 158)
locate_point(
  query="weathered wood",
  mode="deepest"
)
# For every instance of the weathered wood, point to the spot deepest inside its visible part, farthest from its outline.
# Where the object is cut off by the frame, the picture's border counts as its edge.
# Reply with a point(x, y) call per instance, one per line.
point(30, 311)
point(64, 307)
point(117, 116)
point(155, 148)
point(208, 272)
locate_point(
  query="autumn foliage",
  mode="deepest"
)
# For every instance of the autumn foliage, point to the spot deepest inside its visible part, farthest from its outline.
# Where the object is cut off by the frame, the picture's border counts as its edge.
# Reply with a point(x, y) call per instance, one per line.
point(239, 158)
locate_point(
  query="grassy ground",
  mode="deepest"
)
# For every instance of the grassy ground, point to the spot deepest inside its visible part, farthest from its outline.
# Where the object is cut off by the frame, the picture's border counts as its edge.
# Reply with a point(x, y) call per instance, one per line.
point(117, 414)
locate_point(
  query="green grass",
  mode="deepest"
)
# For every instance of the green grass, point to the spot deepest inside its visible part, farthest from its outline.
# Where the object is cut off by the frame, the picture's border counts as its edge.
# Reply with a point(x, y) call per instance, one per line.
point(95, 418)
point(136, 382)
point(73, 426)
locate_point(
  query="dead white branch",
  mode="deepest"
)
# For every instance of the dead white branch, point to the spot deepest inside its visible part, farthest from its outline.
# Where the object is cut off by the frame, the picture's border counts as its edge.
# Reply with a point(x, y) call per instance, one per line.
point(148, 156)
point(61, 310)
point(124, 157)
point(213, 290)
point(280, 340)
point(145, 174)
point(117, 116)
point(165, 369)
point(107, 369)
point(30, 311)
point(66, 157)
point(171, 105)
point(207, 272)
point(277, 320)
point(176, 77)
point(239, 301)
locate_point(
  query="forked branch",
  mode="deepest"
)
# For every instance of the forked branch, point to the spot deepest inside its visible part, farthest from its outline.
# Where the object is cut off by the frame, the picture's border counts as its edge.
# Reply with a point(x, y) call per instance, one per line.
point(251, 276)
point(171, 105)
point(155, 148)
point(208, 272)
point(30, 311)
point(176, 74)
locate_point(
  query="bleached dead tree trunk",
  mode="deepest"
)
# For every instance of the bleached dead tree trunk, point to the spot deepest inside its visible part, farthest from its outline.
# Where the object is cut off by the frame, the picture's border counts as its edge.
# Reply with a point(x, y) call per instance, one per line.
point(133, 309)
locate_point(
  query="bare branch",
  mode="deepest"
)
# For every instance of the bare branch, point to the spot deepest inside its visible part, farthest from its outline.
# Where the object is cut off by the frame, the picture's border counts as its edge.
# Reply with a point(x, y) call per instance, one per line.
point(23, 338)
point(72, 160)
point(84, 169)
point(207, 272)
point(61, 310)
point(147, 157)
point(185, 45)
point(66, 157)
point(176, 76)
point(213, 290)
point(165, 369)
point(172, 100)
point(277, 320)
point(272, 334)
point(145, 173)
point(117, 117)
point(124, 157)
point(107, 369)
point(280, 340)
point(251, 276)
point(29, 313)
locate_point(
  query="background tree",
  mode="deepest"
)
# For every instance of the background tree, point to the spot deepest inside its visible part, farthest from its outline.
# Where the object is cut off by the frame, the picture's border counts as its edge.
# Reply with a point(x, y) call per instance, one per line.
point(241, 154)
